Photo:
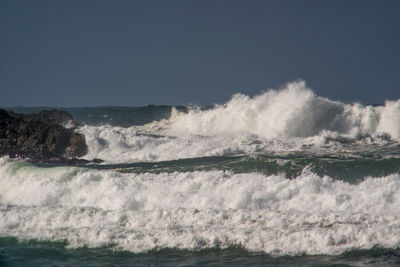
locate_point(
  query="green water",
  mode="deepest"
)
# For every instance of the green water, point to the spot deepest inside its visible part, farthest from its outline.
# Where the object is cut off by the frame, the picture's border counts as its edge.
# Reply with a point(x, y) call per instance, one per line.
point(35, 253)
point(349, 170)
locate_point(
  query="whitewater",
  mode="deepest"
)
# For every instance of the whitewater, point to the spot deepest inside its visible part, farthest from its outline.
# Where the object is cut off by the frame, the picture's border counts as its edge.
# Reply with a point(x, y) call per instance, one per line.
point(282, 177)
point(308, 214)
point(277, 121)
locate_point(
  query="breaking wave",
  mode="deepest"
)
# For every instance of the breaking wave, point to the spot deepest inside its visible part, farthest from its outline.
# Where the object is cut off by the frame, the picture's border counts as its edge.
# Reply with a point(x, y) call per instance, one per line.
point(291, 119)
point(292, 112)
point(201, 209)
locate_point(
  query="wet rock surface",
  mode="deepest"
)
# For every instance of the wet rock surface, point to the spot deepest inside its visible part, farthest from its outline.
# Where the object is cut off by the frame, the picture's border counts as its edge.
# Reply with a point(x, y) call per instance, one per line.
point(41, 137)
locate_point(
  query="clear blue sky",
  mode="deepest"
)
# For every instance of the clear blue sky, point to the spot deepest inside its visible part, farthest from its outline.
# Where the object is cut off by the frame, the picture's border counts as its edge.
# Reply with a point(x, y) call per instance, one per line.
point(132, 53)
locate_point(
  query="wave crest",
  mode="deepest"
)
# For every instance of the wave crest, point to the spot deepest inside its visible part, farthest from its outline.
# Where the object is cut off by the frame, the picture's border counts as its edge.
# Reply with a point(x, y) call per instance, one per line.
point(294, 111)
point(276, 121)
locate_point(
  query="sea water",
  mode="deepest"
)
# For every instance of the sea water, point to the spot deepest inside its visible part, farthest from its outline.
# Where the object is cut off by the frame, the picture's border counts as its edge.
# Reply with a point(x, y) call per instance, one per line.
point(284, 178)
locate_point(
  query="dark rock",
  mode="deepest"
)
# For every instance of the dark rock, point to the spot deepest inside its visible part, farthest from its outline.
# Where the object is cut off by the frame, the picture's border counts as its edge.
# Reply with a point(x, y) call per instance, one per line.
point(66, 161)
point(54, 116)
point(40, 136)
point(59, 117)
point(4, 114)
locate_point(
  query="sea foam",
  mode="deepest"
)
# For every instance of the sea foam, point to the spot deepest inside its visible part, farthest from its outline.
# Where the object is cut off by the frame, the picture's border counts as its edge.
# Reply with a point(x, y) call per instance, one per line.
point(291, 119)
point(195, 210)
point(294, 111)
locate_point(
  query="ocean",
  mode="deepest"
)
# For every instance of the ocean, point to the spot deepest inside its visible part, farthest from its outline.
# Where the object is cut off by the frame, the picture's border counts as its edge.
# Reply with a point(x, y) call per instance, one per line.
point(283, 178)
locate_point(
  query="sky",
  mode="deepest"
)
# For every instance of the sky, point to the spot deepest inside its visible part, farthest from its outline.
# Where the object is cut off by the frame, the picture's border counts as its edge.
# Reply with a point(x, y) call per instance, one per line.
point(133, 53)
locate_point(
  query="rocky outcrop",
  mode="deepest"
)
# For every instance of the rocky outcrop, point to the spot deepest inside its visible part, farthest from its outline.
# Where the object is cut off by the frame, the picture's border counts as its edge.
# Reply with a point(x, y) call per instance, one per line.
point(54, 116)
point(40, 136)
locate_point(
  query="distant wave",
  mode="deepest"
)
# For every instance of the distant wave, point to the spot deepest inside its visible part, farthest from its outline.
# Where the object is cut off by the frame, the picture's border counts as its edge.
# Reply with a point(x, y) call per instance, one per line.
point(291, 119)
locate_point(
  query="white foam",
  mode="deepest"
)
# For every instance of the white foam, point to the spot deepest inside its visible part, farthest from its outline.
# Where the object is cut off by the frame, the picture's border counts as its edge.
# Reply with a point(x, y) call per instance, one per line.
point(117, 144)
point(294, 111)
point(291, 119)
point(195, 210)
